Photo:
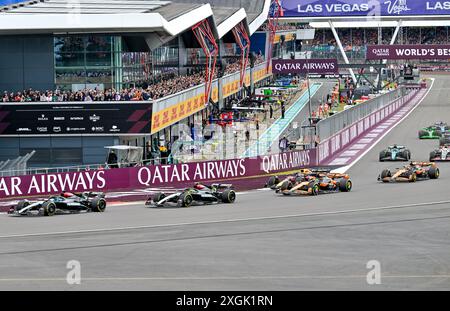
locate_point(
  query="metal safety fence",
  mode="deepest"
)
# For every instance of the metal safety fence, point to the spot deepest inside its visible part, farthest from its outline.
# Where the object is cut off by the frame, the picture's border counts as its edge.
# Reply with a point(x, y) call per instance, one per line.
point(329, 126)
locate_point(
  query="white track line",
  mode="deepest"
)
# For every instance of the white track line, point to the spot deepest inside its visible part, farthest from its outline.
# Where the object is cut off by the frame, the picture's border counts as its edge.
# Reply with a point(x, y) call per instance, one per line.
point(346, 168)
point(208, 278)
point(229, 220)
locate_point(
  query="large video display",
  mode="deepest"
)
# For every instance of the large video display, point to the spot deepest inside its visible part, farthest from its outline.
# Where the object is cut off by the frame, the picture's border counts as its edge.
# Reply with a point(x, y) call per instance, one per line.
point(75, 118)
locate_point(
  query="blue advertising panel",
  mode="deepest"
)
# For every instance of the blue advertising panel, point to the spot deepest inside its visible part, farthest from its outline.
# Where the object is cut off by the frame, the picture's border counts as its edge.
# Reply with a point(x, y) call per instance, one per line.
point(360, 8)
point(9, 2)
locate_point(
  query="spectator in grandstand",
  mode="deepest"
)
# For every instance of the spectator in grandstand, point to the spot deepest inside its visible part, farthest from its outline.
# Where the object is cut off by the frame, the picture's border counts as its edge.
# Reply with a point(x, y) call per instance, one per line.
point(171, 84)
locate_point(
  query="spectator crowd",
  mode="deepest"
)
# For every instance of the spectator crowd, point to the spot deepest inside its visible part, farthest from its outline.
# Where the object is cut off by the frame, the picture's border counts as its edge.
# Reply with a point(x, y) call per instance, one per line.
point(171, 84)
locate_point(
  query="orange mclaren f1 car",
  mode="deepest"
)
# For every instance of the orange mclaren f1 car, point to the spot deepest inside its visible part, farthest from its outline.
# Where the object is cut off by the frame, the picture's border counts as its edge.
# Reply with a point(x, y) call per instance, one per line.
point(311, 182)
point(411, 173)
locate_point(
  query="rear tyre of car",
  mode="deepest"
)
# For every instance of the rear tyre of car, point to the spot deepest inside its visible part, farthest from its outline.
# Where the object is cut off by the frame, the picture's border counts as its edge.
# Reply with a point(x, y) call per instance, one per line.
point(433, 155)
point(382, 155)
point(412, 177)
point(22, 204)
point(98, 205)
point(422, 134)
point(228, 196)
point(185, 200)
point(408, 154)
point(286, 185)
point(345, 185)
point(273, 180)
point(433, 173)
point(49, 208)
point(442, 141)
point(158, 197)
point(385, 174)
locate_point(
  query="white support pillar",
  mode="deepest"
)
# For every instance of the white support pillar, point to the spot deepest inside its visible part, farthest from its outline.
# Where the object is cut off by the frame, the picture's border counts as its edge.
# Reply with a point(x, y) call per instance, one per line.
point(341, 48)
point(394, 37)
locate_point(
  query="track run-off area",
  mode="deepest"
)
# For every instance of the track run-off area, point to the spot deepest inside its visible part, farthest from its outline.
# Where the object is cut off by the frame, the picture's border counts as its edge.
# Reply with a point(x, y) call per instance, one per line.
point(263, 241)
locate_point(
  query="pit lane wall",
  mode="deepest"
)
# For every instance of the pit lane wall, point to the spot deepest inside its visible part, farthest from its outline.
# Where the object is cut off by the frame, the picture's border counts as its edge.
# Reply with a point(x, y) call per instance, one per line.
point(244, 174)
point(333, 145)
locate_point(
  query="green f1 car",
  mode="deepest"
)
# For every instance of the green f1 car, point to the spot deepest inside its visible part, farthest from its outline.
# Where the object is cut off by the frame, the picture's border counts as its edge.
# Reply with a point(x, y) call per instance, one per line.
point(434, 131)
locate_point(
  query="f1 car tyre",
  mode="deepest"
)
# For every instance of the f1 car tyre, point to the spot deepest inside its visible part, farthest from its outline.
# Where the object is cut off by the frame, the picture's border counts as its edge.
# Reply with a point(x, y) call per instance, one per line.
point(433, 155)
point(98, 205)
point(384, 174)
point(273, 180)
point(22, 204)
point(345, 185)
point(228, 196)
point(412, 177)
point(286, 185)
point(442, 141)
point(438, 132)
point(422, 133)
point(433, 173)
point(382, 155)
point(315, 189)
point(158, 196)
point(185, 200)
point(49, 208)
point(407, 154)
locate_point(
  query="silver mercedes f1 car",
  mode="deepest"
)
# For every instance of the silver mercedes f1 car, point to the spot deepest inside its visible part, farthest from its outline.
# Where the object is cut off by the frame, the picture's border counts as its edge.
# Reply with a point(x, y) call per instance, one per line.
point(199, 194)
point(67, 202)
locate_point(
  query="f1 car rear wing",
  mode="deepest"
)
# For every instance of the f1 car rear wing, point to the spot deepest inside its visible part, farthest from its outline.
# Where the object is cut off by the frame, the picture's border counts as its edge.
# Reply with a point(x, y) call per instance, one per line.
point(423, 163)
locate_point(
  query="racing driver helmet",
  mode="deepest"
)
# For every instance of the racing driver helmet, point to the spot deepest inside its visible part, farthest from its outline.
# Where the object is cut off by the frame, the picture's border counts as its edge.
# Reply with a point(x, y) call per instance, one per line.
point(199, 186)
point(67, 194)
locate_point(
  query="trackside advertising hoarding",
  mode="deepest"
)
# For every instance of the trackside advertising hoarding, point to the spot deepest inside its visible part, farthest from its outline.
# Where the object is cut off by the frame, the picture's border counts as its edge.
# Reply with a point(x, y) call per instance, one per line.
point(303, 66)
point(236, 171)
point(361, 8)
point(9, 2)
point(62, 118)
point(405, 52)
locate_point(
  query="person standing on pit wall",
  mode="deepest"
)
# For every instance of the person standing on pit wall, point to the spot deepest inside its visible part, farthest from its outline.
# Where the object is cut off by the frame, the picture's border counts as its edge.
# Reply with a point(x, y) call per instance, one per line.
point(325, 110)
point(282, 110)
point(320, 110)
point(270, 111)
point(283, 144)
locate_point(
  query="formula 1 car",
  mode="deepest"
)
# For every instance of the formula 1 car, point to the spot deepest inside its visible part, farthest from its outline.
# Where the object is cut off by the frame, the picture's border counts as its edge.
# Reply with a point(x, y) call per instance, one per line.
point(411, 173)
point(67, 202)
point(314, 182)
point(445, 139)
point(434, 131)
point(441, 154)
point(275, 183)
point(199, 194)
point(395, 153)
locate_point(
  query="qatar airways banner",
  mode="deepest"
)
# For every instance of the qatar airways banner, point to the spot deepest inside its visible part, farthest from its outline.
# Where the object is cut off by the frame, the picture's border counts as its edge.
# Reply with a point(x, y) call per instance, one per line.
point(303, 66)
point(237, 171)
point(403, 52)
point(361, 8)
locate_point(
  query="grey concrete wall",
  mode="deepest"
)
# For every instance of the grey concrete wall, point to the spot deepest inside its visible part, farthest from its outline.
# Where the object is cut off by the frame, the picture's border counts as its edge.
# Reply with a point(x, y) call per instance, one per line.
point(26, 62)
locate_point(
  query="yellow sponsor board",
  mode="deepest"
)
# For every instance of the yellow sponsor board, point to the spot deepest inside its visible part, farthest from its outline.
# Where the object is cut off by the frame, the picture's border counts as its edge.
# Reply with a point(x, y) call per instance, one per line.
point(262, 73)
point(181, 110)
point(177, 112)
point(287, 37)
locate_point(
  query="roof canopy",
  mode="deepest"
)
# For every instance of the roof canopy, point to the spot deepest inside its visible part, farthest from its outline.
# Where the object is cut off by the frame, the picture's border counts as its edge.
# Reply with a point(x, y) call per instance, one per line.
point(168, 18)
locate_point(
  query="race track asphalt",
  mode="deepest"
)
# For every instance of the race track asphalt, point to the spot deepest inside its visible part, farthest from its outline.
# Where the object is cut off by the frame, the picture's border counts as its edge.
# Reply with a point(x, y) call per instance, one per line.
point(262, 242)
